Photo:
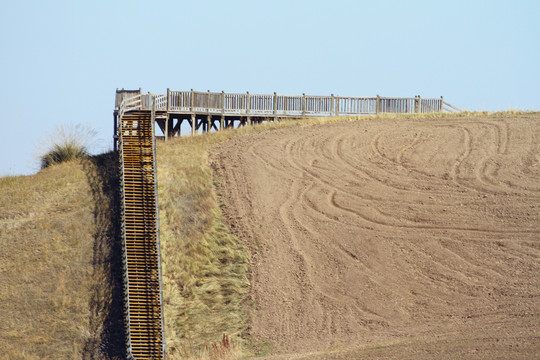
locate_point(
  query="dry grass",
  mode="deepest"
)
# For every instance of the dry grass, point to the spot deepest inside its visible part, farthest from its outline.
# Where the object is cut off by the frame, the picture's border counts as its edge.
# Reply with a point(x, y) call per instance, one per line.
point(204, 266)
point(53, 286)
point(44, 297)
point(67, 143)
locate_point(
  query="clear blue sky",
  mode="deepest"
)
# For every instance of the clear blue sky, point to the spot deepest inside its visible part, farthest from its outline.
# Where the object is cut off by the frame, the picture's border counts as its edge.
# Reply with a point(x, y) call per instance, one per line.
point(62, 61)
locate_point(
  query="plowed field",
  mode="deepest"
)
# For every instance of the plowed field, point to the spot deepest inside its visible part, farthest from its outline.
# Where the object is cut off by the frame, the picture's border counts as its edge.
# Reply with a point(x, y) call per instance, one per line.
point(391, 238)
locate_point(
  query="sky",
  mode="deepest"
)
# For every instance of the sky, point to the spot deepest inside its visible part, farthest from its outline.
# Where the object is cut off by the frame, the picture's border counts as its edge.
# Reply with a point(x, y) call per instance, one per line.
point(61, 61)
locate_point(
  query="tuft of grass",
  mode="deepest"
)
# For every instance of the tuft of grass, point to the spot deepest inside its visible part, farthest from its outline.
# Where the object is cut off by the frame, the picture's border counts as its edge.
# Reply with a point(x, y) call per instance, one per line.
point(67, 143)
point(62, 153)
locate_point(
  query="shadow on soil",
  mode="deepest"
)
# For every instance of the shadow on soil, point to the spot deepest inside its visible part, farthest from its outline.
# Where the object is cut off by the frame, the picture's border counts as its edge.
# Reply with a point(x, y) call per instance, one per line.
point(106, 337)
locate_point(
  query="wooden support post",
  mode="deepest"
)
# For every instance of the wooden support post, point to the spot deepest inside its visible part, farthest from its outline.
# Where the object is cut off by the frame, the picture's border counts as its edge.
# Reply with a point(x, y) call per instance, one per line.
point(221, 122)
point(208, 122)
point(275, 103)
point(420, 110)
point(304, 104)
point(193, 120)
point(248, 105)
point(378, 105)
point(441, 105)
point(167, 127)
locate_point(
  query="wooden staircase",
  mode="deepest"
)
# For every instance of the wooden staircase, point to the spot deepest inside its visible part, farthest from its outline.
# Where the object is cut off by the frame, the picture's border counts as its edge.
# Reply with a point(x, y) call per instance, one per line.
point(142, 271)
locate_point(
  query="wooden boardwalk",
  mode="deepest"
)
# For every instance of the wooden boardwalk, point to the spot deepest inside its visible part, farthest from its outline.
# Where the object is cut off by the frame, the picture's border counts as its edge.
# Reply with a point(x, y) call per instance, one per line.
point(208, 111)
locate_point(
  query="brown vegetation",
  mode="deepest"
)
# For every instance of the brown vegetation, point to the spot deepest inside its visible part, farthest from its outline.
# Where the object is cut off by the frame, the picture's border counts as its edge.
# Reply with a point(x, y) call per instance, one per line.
point(56, 263)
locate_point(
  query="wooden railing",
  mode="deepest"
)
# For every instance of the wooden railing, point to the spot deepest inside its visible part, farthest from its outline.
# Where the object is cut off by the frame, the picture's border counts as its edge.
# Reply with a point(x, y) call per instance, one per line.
point(280, 105)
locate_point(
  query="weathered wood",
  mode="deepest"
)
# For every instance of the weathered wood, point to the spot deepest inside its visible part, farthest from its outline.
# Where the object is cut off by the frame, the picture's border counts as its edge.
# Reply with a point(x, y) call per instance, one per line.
point(222, 104)
point(166, 131)
point(207, 108)
point(248, 107)
point(453, 107)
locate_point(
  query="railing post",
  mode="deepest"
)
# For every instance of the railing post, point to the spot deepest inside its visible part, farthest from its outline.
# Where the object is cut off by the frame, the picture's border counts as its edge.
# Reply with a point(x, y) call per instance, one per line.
point(378, 105)
point(248, 105)
point(167, 118)
point(275, 103)
point(441, 104)
point(419, 104)
point(193, 118)
point(208, 117)
point(333, 106)
point(304, 104)
point(222, 102)
point(222, 119)
point(208, 102)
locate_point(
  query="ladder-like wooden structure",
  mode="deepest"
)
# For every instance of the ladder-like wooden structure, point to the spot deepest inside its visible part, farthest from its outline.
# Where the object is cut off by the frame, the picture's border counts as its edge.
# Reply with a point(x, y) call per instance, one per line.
point(142, 271)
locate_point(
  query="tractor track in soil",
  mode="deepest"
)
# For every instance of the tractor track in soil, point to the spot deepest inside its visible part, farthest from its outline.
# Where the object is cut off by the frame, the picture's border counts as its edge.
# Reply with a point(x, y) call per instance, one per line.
point(391, 238)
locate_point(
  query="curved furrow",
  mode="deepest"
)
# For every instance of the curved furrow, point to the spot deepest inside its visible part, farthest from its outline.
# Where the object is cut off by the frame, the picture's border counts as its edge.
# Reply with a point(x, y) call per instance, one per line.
point(416, 139)
point(454, 173)
point(378, 231)
point(381, 218)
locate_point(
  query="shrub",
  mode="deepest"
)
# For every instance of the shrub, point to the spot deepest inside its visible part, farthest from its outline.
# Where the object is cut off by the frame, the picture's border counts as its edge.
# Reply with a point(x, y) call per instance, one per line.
point(68, 143)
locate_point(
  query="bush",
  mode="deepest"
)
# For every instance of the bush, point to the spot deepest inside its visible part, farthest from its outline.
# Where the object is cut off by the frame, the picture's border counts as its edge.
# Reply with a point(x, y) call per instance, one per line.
point(66, 144)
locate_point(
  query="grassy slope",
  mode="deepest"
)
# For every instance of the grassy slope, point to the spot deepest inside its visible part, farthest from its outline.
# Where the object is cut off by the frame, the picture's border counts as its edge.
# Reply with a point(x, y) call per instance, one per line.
point(44, 297)
point(204, 267)
point(55, 286)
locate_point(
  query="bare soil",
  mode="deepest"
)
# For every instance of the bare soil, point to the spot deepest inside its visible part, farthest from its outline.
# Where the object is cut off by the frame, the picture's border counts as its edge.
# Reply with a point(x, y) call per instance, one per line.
point(391, 238)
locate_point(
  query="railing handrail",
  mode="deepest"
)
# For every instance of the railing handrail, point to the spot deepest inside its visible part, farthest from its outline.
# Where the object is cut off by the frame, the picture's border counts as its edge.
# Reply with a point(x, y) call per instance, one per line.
point(123, 225)
point(450, 108)
point(279, 104)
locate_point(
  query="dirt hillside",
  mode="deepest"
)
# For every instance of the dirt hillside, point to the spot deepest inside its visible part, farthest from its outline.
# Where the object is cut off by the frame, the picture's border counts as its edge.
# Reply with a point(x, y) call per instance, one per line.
point(391, 238)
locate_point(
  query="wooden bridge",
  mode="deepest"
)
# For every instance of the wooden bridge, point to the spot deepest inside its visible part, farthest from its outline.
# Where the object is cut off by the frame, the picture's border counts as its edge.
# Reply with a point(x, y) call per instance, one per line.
point(206, 111)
